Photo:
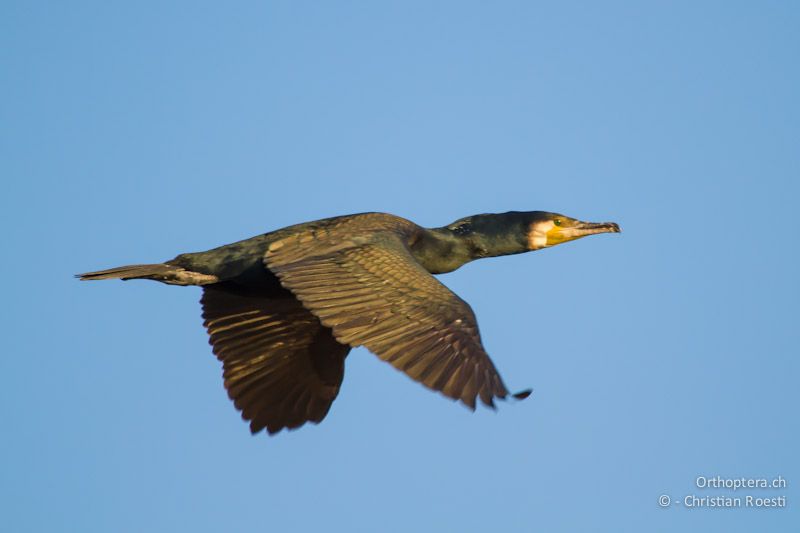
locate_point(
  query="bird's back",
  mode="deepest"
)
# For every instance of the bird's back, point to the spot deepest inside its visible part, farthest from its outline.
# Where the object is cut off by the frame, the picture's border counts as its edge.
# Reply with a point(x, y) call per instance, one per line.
point(243, 260)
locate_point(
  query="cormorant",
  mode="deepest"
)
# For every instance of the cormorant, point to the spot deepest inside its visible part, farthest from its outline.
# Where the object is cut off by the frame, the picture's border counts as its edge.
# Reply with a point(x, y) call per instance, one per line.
point(283, 309)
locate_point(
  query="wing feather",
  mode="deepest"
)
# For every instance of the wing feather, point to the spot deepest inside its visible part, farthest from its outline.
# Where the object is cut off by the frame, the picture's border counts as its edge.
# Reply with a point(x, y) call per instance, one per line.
point(281, 366)
point(365, 284)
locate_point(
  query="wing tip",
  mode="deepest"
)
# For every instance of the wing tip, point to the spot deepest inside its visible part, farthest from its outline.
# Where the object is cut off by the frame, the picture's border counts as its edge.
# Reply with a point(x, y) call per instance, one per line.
point(469, 403)
point(521, 395)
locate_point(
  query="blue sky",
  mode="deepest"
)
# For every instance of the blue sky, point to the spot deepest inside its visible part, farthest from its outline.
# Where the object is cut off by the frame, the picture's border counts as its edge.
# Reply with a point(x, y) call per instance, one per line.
point(130, 132)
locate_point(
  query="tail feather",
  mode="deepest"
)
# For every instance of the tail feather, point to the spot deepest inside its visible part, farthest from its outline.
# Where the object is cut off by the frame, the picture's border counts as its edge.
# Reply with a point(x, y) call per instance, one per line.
point(171, 274)
point(130, 272)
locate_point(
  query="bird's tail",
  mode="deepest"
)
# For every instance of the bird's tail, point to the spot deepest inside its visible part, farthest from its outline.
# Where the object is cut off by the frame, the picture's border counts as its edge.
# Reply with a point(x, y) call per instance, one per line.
point(131, 272)
point(163, 272)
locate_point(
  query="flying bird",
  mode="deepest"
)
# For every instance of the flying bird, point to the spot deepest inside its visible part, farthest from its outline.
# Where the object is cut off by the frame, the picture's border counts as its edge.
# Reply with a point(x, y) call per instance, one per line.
point(284, 309)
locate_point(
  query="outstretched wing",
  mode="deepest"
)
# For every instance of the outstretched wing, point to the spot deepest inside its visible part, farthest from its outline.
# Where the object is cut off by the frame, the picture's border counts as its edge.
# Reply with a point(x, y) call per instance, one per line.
point(368, 288)
point(282, 368)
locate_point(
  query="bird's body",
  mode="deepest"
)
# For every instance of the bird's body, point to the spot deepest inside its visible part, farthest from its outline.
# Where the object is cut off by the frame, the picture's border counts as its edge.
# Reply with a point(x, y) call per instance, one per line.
point(284, 309)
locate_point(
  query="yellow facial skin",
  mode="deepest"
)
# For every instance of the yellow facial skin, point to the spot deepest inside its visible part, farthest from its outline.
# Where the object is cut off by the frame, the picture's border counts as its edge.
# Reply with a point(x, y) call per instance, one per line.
point(561, 229)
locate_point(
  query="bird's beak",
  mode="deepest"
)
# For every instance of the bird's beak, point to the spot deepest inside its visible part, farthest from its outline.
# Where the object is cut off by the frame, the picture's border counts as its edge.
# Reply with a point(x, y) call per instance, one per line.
point(590, 228)
point(562, 234)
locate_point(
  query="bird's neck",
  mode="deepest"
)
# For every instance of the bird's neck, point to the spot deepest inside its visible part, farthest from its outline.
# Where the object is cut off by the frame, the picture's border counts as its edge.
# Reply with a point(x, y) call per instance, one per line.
point(441, 250)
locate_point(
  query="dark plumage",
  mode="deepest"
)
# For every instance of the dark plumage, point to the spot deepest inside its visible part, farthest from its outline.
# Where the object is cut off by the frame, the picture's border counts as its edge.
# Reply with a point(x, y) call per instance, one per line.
point(283, 309)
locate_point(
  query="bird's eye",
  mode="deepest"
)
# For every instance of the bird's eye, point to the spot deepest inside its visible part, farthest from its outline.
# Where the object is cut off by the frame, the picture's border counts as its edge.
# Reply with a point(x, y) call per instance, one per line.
point(557, 222)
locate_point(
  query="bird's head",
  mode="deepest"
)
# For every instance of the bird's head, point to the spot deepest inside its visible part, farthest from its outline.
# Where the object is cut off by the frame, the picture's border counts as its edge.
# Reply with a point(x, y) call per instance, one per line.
point(447, 248)
point(491, 235)
point(545, 229)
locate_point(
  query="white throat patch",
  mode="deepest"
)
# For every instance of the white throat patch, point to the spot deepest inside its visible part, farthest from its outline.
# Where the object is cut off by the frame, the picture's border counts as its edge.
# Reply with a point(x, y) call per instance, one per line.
point(537, 235)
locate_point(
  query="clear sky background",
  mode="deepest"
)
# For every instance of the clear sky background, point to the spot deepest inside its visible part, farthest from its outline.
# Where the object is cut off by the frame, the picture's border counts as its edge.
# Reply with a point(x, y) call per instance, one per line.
point(133, 131)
